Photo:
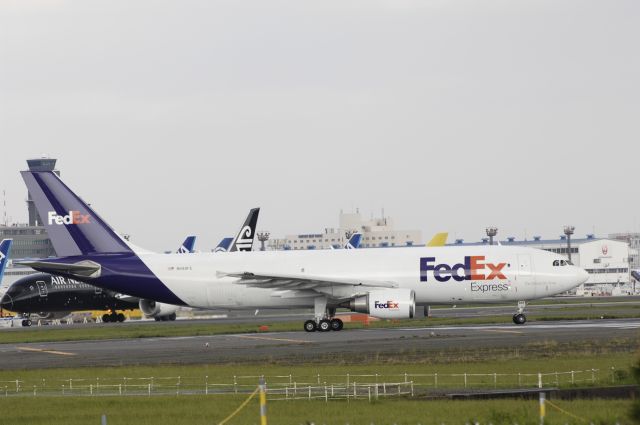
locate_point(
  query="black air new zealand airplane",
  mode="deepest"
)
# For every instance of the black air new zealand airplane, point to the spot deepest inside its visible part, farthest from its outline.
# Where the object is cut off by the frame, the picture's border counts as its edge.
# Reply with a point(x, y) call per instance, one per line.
point(54, 297)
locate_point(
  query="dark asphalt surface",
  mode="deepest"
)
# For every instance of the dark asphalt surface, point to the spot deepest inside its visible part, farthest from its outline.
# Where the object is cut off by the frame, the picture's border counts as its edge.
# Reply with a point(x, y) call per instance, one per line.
point(301, 346)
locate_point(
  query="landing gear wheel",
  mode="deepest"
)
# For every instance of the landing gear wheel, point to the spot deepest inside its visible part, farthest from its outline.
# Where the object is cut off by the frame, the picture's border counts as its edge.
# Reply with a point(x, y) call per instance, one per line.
point(113, 317)
point(519, 319)
point(324, 325)
point(26, 322)
point(171, 317)
point(106, 318)
point(120, 317)
point(310, 326)
point(336, 325)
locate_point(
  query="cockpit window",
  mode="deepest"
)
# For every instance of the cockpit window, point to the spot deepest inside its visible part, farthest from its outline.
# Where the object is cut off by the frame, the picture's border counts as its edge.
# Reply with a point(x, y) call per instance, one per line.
point(561, 263)
point(556, 263)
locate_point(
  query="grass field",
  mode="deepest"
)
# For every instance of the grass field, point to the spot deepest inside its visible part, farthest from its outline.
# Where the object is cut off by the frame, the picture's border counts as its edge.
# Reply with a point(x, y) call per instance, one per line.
point(201, 410)
point(613, 368)
point(151, 330)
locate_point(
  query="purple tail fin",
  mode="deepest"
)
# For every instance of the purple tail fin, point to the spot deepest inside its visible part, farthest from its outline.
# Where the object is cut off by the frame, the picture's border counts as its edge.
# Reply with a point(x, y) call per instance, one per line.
point(73, 227)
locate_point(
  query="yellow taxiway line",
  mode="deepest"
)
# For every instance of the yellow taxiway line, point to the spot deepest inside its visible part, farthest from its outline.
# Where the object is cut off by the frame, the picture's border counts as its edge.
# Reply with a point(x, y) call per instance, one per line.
point(502, 331)
point(42, 350)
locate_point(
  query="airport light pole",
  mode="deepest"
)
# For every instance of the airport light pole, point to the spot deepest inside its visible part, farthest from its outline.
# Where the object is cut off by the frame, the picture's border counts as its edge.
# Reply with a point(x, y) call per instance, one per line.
point(568, 231)
point(491, 232)
point(263, 236)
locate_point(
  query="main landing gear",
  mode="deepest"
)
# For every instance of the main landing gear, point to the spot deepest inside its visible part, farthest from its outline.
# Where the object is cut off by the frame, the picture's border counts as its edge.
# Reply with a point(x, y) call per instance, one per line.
point(324, 325)
point(325, 319)
point(519, 318)
point(26, 320)
point(113, 317)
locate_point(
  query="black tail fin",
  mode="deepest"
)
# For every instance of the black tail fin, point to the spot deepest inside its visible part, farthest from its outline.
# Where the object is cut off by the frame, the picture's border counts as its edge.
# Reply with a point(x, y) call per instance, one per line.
point(244, 240)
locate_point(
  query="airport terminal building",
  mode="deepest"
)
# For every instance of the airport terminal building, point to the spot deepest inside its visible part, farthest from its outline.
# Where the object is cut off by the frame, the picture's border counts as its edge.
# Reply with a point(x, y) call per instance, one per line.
point(376, 233)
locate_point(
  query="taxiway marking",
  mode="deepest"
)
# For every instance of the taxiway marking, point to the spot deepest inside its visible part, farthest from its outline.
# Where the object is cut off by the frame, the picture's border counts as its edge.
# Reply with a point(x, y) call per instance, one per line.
point(266, 338)
point(42, 350)
point(504, 331)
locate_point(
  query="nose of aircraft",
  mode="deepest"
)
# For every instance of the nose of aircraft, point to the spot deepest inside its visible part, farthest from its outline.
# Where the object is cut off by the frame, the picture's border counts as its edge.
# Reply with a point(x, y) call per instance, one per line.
point(6, 301)
point(581, 276)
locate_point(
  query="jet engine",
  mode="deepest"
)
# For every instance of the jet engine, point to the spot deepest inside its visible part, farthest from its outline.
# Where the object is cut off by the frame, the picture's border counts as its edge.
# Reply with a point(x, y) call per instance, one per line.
point(158, 311)
point(386, 304)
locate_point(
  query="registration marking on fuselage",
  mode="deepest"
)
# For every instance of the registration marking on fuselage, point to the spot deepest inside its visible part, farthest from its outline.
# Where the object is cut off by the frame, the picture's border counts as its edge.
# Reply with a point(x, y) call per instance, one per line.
point(266, 338)
point(42, 350)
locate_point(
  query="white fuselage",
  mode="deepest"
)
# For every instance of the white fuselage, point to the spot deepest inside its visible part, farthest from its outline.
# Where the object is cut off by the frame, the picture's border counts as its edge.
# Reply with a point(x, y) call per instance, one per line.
point(522, 274)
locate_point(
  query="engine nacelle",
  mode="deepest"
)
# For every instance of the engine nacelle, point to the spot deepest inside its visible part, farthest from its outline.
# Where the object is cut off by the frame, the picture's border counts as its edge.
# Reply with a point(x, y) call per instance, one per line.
point(386, 304)
point(159, 311)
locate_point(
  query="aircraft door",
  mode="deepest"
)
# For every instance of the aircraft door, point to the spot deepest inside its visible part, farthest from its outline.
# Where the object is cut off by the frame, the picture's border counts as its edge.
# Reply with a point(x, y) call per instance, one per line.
point(42, 288)
point(526, 278)
point(524, 265)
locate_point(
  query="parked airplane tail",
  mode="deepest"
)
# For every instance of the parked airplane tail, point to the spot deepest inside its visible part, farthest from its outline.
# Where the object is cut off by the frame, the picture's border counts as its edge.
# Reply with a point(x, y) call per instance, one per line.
point(224, 245)
point(354, 241)
point(5, 249)
point(187, 246)
point(439, 239)
point(72, 225)
point(244, 240)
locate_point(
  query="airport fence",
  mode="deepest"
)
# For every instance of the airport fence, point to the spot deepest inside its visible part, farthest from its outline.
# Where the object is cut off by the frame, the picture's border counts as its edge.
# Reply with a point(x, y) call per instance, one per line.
point(293, 387)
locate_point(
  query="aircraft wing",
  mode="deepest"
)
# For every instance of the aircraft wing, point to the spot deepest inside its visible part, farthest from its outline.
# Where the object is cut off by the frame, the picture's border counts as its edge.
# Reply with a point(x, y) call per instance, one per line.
point(301, 281)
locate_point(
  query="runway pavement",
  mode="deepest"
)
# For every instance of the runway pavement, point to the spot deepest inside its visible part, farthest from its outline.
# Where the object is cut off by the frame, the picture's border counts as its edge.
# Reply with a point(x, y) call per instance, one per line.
point(301, 346)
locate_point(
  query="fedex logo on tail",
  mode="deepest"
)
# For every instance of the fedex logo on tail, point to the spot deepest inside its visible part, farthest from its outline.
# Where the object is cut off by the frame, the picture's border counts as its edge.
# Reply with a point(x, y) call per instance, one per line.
point(74, 217)
point(474, 267)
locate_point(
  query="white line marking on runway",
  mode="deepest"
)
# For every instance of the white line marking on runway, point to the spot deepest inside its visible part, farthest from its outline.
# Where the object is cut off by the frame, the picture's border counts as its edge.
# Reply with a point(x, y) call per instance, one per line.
point(42, 350)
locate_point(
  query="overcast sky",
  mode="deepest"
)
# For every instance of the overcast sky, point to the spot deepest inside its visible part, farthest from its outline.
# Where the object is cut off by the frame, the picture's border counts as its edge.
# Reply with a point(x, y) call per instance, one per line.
point(176, 117)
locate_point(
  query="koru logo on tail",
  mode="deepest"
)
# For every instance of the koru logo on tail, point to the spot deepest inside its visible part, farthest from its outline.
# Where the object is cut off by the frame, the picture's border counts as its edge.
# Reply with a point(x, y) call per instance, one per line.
point(2, 257)
point(244, 241)
point(74, 217)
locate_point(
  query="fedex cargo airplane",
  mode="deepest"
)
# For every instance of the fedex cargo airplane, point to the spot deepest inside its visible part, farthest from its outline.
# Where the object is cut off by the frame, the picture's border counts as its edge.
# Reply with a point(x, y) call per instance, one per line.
point(382, 282)
point(52, 297)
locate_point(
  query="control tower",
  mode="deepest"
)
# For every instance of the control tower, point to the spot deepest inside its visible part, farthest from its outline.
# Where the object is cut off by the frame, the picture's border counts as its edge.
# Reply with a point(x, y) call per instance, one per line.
point(43, 163)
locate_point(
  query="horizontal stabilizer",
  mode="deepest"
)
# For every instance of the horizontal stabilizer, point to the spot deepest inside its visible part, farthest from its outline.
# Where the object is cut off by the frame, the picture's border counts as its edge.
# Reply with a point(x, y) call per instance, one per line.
point(80, 269)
